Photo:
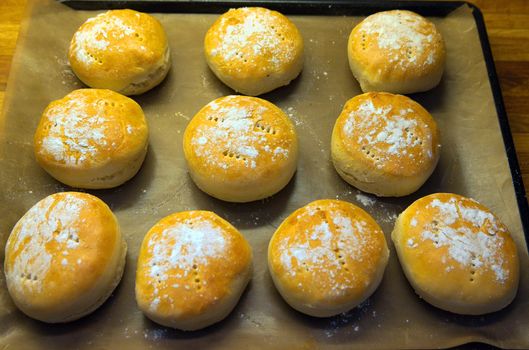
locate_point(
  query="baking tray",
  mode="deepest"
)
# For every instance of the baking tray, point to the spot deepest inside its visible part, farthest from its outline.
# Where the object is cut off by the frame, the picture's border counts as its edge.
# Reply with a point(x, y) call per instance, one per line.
point(478, 160)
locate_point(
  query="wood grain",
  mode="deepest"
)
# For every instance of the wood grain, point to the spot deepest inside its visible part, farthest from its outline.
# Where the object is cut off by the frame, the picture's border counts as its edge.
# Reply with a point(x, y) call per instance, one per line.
point(11, 12)
point(507, 24)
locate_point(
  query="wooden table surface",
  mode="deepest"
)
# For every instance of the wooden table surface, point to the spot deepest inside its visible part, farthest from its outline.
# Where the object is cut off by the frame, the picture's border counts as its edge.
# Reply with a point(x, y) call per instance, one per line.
point(507, 25)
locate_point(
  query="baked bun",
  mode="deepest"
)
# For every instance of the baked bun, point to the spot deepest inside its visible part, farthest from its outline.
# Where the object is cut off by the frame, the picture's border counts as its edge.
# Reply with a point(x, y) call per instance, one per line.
point(240, 149)
point(396, 51)
point(192, 269)
point(456, 254)
point(121, 50)
point(64, 257)
point(327, 257)
point(385, 144)
point(254, 50)
point(92, 139)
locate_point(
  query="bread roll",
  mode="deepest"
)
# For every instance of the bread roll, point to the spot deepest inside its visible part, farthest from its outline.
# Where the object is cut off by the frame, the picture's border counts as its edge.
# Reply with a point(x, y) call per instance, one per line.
point(92, 139)
point(192, 269)
point(396, 51)
point(64, 257)
point(240, 149)
point(254, 50)
point(385, 144)
point(121, 50)
point(327, 257)
point(456, 254)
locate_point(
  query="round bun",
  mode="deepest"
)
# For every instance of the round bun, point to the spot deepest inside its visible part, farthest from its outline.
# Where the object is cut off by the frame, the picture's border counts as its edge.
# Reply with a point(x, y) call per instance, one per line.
point(456, 254)
point(396, 51)
point(121, 50)
point(254, 50)
point(240, 149)
point(92, 139)
point(64, 257)
point(327, 257)
point(192, 269)
point(385, 144)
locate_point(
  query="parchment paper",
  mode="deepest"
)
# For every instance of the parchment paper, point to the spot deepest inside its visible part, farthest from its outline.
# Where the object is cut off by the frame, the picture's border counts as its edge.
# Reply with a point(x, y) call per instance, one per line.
point(473, 163)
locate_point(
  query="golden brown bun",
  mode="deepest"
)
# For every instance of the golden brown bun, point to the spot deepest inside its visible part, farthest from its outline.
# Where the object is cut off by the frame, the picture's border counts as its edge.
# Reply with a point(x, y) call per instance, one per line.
point(121, 50)
point(396, 51)
point(327, 257)
point(385, 144)
point(254, 50)
point(240, 149)
point(456, 254)
point(192, 269)
point(92, 138)
point(64, 257)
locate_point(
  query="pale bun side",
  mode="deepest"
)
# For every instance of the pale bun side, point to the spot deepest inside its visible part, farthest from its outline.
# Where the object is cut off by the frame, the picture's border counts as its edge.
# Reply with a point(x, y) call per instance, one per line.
point(151, 78)
point(324, 308)
point(209, 317)
point(372, 82)
point(370, 179)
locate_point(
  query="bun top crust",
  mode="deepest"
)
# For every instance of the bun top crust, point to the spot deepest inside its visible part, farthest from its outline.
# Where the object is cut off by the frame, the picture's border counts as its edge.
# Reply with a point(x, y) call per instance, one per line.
point(389, 133)
point(395, 45)
point(455, 246)
point(117, 48)
point(329, 251)
point(187, 262)
point(253, 42)
point(90, 128)
point(59, 249)
point(240, 138)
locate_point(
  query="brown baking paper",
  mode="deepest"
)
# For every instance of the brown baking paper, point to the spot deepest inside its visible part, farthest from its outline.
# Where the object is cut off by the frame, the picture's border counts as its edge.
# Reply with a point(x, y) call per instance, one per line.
point(473, 163)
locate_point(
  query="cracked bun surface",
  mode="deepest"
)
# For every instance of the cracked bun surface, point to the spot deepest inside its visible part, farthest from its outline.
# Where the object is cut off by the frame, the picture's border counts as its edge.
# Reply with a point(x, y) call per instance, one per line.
point(456, 254)
point(64, 257)
point(385, 144)
point(396, 51)
point(92, 138)
point(193, 267)
point(254, 50)
point(327, 257)
point(240, 149)
point(121, 50)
